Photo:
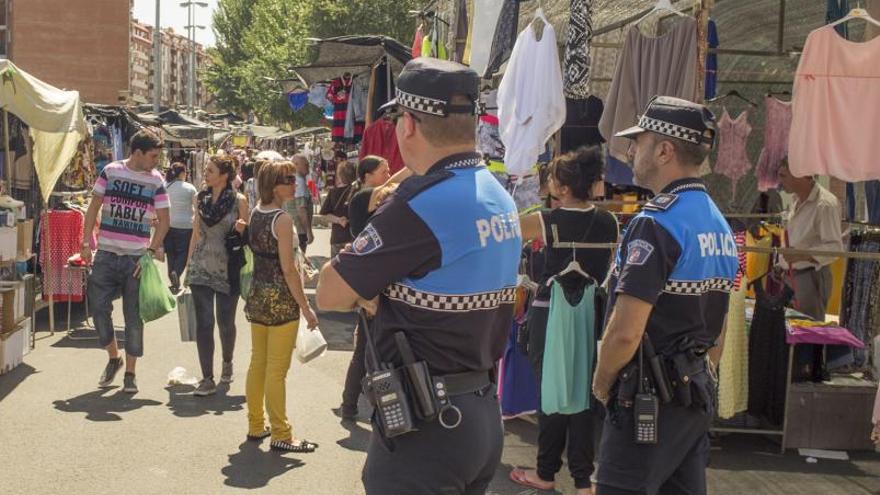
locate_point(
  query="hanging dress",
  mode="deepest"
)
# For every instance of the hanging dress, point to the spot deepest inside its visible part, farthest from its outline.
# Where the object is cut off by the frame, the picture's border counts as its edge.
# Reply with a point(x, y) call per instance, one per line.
point(569, 352)
point(733, 160)
point(338, 94)
point(777, 124)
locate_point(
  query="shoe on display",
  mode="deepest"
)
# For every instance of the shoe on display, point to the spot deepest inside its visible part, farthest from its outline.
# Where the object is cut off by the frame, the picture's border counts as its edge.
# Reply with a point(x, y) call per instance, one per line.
point(113, 367)
point(206, 387)
point(9, 203)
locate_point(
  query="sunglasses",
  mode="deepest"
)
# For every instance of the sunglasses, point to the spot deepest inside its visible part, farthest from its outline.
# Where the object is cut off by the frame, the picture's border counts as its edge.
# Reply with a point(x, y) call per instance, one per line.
point(287, 180)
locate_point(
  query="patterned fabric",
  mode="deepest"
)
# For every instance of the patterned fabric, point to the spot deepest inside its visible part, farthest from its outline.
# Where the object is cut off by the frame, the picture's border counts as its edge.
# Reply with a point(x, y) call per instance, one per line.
point(733, 160)
point(576, 67)
point(65, 231)
point(130, 201)
point(208, 265)
point(740, 238)
point(505, 37)
point(733, 372)
point(269, 302)
point(672, 130)
point(777, 123)
point(698, 288)
point(338, 94)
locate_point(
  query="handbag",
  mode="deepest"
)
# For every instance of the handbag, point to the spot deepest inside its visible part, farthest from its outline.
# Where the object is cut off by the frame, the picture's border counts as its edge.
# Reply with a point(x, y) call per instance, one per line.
point(309, 344)
point(186, 315)
point(235, 244)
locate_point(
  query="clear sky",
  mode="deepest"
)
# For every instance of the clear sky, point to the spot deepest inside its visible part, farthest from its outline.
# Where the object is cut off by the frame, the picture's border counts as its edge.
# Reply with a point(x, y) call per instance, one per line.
point(173, 15)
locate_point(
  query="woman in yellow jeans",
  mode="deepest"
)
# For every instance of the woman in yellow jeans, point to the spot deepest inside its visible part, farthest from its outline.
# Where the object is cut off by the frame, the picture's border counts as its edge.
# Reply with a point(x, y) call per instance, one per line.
point(274, 306)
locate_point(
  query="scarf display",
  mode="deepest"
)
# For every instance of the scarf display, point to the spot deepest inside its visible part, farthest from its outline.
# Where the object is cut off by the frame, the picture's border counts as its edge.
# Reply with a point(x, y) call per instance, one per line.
point(212, 212)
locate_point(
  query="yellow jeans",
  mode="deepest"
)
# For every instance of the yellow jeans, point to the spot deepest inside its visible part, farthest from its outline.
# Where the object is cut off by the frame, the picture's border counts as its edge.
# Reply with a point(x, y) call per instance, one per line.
point(271, 351)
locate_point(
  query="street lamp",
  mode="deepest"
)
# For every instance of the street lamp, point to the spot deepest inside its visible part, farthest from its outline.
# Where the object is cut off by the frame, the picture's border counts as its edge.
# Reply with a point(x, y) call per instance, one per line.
point(191, 28)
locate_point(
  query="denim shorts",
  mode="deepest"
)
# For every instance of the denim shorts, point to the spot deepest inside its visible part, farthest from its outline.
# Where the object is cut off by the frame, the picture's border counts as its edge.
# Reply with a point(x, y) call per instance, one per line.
point(112, 277)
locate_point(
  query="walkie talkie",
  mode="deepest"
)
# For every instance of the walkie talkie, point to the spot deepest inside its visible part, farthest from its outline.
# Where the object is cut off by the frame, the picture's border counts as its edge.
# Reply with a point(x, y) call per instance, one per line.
point(646, 409)
point(384, 385)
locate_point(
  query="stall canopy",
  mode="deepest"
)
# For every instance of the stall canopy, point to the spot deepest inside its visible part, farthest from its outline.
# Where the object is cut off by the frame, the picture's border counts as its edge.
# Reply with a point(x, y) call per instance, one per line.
point(354, 54)
point(54, 116)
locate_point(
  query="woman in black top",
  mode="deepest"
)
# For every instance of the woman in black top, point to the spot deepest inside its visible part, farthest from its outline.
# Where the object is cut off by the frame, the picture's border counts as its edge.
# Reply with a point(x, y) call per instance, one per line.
point(573, 178)
point(335, 207)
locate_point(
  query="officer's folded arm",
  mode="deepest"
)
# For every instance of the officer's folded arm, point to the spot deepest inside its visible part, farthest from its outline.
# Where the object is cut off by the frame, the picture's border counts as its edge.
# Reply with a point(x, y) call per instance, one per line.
point(334, 293)
point(620, 341)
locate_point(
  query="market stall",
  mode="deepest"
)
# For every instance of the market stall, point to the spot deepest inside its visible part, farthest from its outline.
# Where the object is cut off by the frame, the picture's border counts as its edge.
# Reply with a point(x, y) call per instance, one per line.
point(596, 71)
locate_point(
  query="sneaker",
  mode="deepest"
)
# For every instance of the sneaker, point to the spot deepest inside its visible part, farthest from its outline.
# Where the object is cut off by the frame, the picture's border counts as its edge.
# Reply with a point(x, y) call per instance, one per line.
point(129, 384)
point(226, 376)
point(113, 367)
point(301, 447)
point(206, 387)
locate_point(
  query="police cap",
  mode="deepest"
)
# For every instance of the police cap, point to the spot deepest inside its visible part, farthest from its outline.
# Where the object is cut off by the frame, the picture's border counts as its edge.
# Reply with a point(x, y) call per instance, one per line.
point(427, 85)
point(677, 118)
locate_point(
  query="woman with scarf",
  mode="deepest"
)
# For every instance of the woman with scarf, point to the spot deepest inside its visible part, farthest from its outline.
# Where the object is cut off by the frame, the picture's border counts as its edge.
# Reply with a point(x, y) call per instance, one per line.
point(211, 274)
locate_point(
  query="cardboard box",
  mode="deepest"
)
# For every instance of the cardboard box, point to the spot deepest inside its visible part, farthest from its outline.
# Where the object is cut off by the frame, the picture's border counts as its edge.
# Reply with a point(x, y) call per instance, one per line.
point(7, 309)
point(8, 243)
point(11, 350)
point(25, 239)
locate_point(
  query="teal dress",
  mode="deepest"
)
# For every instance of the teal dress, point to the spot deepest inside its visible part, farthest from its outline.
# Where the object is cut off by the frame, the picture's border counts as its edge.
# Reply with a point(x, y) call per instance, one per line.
point(569, 351)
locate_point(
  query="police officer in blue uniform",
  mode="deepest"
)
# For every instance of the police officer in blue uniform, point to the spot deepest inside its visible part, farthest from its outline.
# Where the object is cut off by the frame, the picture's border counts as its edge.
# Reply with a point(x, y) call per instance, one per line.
point(438, 263)
point(668, 296)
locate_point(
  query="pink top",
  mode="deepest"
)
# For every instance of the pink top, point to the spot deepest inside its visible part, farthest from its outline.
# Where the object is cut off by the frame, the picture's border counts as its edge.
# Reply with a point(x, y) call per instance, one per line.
point(733, 161)
point(835, 122)
point(777, 124)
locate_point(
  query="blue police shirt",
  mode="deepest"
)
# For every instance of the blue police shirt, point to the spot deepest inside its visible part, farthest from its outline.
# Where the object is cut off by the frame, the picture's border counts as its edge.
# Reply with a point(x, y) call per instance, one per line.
point(442, 255)
point(679, 255)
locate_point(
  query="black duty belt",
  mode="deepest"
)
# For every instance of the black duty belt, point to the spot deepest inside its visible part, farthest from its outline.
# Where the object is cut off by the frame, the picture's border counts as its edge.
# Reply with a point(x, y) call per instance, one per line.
point(466, 383)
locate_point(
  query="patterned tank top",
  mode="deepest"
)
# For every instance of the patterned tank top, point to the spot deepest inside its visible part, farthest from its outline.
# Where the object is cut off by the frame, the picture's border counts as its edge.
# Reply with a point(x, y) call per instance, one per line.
point(270, 301)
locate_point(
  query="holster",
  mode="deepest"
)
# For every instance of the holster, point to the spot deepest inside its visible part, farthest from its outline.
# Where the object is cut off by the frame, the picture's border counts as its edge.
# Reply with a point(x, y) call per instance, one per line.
point(691, 382)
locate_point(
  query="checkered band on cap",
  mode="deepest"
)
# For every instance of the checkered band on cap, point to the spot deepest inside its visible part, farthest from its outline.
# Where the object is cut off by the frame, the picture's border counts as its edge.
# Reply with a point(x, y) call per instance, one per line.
point(672, 130)
point(421, 103)
point(699, 287)
point(450, 303)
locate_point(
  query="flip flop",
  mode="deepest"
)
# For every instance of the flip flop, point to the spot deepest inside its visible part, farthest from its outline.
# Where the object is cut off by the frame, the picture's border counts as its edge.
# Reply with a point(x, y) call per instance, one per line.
point(518, 476)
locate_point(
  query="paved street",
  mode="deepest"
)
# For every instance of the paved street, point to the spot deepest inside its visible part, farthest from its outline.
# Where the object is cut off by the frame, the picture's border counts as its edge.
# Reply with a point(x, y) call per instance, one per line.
point(59, 433)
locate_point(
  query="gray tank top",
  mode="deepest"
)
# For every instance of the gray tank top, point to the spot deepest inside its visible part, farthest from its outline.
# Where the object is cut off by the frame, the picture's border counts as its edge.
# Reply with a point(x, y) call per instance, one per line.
point(208, 265)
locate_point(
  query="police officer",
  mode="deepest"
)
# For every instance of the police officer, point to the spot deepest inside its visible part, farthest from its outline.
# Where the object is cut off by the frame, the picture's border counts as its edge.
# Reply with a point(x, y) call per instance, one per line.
point(441, 255)
point(669, 294)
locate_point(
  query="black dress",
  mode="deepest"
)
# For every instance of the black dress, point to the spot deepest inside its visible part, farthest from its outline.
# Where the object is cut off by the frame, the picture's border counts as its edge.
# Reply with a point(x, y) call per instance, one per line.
point(768, 355)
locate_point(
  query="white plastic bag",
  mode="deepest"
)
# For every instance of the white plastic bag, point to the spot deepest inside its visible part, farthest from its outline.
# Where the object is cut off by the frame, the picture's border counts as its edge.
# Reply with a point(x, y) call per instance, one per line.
point(309, 344)
point(186, 316)
point(179, 376)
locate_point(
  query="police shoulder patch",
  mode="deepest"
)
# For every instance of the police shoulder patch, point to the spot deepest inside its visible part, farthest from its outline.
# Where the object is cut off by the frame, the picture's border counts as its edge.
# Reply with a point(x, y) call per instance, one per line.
point(638, 251)
point(661, 202)
point(367, 242)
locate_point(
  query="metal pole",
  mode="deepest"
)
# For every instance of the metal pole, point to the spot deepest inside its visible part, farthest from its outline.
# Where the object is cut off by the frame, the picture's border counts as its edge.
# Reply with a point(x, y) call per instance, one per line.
point(157, 62)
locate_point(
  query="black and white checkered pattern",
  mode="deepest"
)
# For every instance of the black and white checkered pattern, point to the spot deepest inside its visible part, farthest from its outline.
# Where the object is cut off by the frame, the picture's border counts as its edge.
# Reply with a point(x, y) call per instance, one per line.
point(421, 103)
point(698, 288)
point(450, 303)
point(672, 130)
point(689, 187)
point(466, 163)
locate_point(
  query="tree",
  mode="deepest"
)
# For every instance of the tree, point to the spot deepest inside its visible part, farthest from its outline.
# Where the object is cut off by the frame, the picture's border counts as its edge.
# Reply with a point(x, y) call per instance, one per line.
point(258, 40)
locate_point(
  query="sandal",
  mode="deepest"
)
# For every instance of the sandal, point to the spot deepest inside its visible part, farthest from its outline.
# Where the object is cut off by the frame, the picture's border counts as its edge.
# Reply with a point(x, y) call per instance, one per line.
point(518, 476)
point(259, 436)
point(302, 447)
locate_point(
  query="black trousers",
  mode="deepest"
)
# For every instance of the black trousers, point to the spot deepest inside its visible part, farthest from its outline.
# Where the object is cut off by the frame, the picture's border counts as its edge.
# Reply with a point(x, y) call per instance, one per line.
point(204, 299)
point(177, 249)
point(357, 368)
point(578, 433)
point(437, 461)
point(674, 466)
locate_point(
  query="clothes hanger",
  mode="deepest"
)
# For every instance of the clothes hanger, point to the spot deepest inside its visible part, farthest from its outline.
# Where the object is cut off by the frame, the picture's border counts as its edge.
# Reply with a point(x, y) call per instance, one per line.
point(856, 13)
point(539, 16)
point(573, 266)
point(662, 6)
point(734, 93)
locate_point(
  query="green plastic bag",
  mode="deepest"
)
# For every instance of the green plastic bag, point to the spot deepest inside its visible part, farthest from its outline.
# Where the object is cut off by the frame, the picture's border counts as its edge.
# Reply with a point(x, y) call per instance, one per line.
point(155, 299)
point(247, 273)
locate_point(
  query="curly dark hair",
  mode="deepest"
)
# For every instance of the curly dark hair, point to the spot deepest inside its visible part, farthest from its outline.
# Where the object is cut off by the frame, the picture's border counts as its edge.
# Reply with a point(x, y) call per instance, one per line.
point(226, 164)
point(579, 170)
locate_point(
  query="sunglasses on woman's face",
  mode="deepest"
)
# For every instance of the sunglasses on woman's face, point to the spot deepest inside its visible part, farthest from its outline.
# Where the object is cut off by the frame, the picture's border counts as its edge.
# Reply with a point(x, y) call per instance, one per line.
point(287, 180)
